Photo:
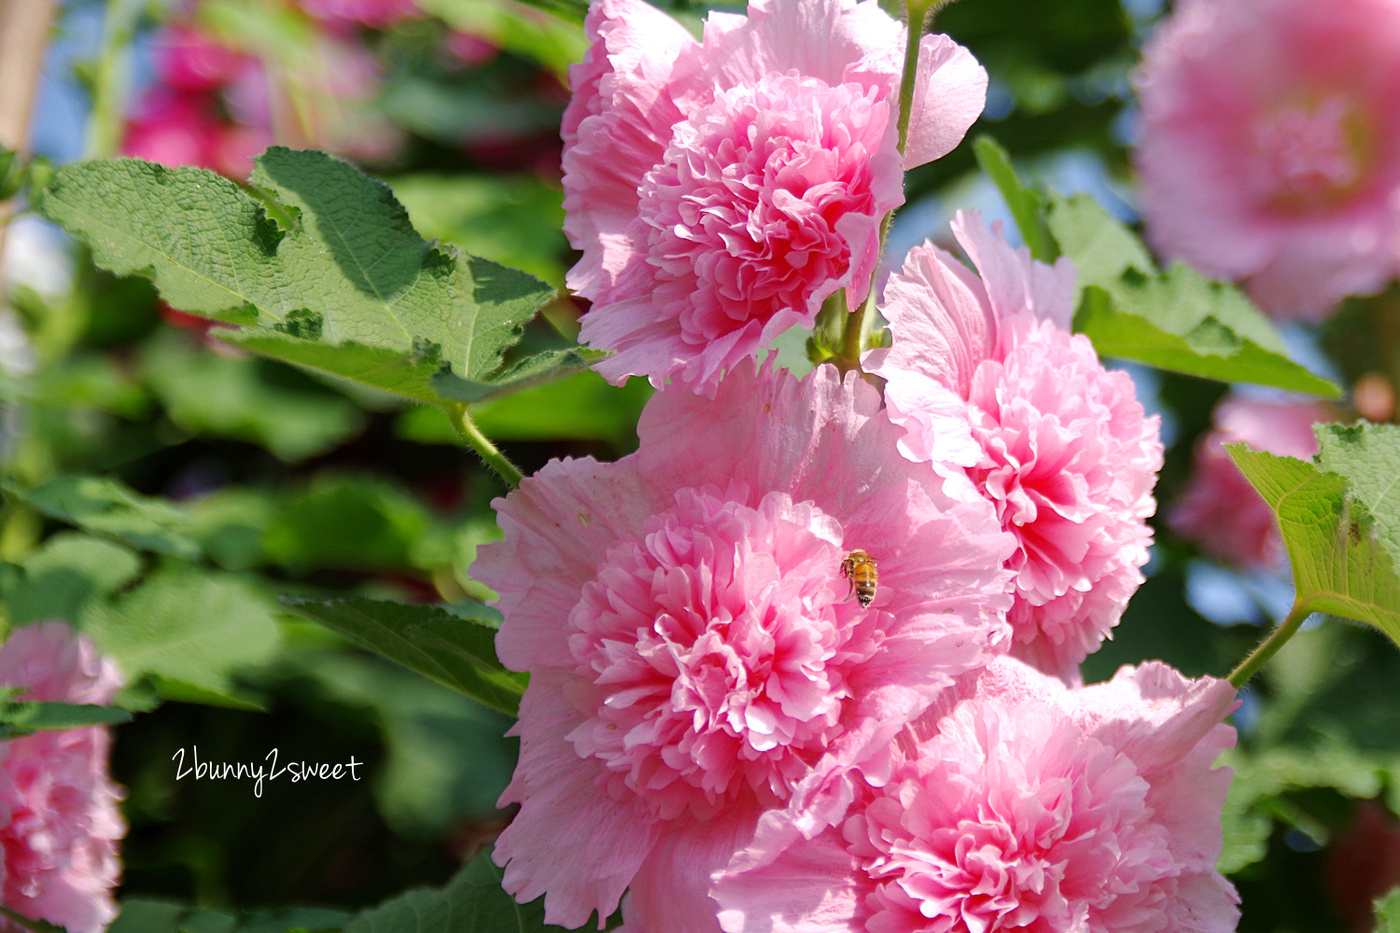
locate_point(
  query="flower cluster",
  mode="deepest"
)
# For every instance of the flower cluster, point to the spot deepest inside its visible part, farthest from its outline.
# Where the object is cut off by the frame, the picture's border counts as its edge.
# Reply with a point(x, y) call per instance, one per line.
point(58, 839)
point(808, 660)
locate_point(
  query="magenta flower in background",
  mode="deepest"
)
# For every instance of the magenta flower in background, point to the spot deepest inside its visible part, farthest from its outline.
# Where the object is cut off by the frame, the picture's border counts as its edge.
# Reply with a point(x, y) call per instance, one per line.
point(58, 841)
point(1018, 804)
point(1270, 146)
point(694, 651)
point(1219, 509)
point(721, 190)
point(984, 372)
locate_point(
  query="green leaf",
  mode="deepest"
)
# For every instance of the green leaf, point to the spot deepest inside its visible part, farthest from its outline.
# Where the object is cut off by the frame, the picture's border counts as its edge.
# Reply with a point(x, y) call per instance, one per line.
point(515, 220)
point(107, 507)
point(1175, 320)
point(531, 371)
point(1388, 912)
point(1368, 455)
point(21, 717)
point(472, 902)
point(141, 915)
point(189, 626)
point(1341, 563)
point(290, 415)
point(1027, 206)
point(341, 266)
point(1261, 782)
point(581, 406)
point(67, 574)
point(458, 651)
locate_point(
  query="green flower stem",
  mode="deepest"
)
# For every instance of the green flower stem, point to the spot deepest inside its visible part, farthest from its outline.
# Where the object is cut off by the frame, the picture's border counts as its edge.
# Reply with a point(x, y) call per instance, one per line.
point(1269, 646)
point(479, 442)
point(858, 321)
point(113, 79)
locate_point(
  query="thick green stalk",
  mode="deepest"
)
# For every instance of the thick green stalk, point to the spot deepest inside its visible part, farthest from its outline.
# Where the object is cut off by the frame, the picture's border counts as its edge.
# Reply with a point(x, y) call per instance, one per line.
point(1269, 646)
point(489, 452)
point(858, 321)
point(112, 81)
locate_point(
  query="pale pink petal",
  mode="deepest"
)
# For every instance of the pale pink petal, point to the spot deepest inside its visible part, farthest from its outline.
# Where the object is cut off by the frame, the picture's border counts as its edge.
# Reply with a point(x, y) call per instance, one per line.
point(61, 822)
point(672, 889)
point(949, 94)
point(573, 843)
point(808, 888)
point(542, 563)
point(827, 39)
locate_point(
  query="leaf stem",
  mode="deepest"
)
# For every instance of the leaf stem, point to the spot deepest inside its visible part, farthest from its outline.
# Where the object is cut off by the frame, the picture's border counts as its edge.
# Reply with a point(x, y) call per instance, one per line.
point(489, 452)
point(1270, 645)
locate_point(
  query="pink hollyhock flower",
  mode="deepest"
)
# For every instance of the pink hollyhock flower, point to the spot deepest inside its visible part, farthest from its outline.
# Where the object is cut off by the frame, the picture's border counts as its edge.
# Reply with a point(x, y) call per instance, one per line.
point(58, 840)
point(1018, 804)
point(984, 372)
point(174, 128)
point(721, 190)
point(693, 649)
point(1271, 146)
point(1219, 509)
point(189, 59)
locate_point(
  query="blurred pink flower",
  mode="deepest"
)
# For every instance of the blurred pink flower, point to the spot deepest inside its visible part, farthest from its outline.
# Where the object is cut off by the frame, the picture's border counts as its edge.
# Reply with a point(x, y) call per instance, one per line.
point(377, 14)
point(984, 372)
point(1271, 146)
point(1018, 804)
point(1219, 509)
point(721, 190)
point(58, 843)
point(174, 128)
point(189, 59)
point(693, 650)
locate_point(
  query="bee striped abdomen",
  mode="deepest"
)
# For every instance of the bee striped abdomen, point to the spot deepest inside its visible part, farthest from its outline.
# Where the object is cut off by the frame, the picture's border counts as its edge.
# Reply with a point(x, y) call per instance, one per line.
point(859, 568)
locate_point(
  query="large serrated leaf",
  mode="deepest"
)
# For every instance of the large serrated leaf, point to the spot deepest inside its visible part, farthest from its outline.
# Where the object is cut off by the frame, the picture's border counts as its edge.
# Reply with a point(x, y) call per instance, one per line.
point(343, 271)
point(1175, 320)
point(454, 650)
point(1340, 560)
point(472, 902)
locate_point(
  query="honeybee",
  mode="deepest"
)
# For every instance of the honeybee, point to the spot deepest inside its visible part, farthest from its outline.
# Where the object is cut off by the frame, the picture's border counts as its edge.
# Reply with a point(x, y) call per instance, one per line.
point(859, 568)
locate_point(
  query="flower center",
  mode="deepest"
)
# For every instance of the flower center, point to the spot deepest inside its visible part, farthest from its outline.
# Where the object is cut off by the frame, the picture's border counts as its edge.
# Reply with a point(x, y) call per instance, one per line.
point(717, 647)
point(744, 209)
point(1016, 821)
point(1310, 156)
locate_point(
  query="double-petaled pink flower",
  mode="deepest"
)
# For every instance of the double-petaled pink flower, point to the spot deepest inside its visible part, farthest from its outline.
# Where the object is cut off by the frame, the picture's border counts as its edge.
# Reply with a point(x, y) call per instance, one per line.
point(60, 826)
point(1270, 147)
point(984, 372)
point(1017, 805)
point(721, 190)
point(694, 651)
